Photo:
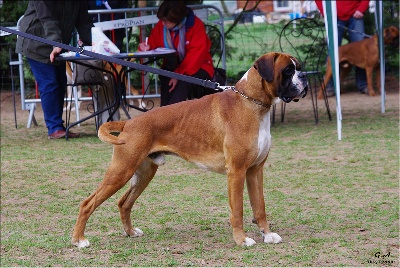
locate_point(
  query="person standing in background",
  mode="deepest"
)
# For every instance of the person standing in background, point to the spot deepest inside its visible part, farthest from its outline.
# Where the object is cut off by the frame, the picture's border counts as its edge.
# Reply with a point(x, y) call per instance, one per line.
point(55, 21)
point(350, 15)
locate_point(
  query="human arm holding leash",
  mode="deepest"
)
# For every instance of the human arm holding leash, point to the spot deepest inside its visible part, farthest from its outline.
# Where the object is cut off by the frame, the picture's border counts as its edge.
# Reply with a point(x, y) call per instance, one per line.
point(48, 24)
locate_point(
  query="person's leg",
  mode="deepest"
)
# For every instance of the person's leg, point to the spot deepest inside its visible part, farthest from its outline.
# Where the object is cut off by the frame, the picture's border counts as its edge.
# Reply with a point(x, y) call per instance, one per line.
point(357, 25)
point(51, 81)
point(165, 94)
point(199, 91)
point(341, 25)
point(180, 92)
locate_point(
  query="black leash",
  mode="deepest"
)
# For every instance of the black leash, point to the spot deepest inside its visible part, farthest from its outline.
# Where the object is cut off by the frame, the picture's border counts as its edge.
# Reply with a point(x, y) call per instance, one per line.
point(146, 68)
point(354, 31)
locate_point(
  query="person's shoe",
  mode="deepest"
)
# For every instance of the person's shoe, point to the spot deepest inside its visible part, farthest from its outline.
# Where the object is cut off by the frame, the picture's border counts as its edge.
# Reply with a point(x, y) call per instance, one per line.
point(330, 93)
point(364, 91)
point(73, 135)
point(61, 134)
point(57, 134)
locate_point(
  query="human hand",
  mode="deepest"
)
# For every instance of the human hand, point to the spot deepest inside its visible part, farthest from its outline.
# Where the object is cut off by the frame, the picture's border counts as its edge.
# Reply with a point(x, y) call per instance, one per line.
point(358, 15)
point(144, 47)
point(172, 83)
point(54, 53)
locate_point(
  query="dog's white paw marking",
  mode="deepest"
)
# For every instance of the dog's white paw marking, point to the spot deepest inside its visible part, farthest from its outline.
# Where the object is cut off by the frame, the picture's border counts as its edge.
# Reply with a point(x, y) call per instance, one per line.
point(270, 238)
point(248, 242)
point(137, 233)
point(82, 243)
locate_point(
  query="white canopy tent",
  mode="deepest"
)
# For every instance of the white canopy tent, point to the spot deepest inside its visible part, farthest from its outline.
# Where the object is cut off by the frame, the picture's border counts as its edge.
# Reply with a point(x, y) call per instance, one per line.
point(331, 29)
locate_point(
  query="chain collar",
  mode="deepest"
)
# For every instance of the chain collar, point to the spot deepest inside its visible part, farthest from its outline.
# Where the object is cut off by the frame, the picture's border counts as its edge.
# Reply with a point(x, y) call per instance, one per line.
point(246, 97)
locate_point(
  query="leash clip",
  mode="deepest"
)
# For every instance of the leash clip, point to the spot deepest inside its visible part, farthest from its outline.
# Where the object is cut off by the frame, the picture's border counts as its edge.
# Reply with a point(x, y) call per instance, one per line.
point(81, 49)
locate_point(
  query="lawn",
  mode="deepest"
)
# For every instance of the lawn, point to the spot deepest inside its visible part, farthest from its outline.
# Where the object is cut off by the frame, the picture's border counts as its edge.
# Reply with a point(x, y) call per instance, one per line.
point(334, 203)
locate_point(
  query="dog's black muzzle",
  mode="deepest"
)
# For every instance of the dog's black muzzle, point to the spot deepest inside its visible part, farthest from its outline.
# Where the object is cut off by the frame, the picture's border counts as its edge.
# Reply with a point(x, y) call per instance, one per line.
point(290, 94)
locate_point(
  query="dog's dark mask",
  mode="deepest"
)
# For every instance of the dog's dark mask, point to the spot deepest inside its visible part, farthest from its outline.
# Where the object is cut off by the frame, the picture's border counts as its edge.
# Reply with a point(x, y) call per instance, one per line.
point(287, 89)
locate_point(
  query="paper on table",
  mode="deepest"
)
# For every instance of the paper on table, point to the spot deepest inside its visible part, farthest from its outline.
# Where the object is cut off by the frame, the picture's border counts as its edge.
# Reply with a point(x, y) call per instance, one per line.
point(102, 44)
point(71, 54)
point(157, 51)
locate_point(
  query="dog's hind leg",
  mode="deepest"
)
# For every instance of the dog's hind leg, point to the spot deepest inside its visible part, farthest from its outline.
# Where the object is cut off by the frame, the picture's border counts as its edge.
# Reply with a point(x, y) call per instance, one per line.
point(117, 175)
point(139, 182)
point(254, 180)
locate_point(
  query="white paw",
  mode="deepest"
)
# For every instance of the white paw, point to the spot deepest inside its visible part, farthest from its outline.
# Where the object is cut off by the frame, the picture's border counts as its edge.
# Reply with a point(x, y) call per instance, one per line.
point(82, 243)
point(270, 238)
point(248, 242)
point(137, 233)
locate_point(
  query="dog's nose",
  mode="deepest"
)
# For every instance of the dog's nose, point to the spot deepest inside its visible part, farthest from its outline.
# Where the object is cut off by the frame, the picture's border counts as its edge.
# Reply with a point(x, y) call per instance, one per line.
point(302, 75)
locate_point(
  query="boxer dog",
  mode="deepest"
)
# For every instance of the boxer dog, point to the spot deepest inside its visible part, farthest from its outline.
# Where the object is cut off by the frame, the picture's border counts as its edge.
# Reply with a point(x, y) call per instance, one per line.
point(226, 132)
point(363, 54)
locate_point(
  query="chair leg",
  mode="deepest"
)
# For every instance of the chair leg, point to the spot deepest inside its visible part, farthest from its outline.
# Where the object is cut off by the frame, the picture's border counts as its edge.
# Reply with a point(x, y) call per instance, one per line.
point(314, 99)
point(68, 109)
point(283, 109)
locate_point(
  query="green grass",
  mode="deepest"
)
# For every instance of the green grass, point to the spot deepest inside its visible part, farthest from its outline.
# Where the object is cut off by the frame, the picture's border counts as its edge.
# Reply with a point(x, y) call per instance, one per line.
point(335, 203)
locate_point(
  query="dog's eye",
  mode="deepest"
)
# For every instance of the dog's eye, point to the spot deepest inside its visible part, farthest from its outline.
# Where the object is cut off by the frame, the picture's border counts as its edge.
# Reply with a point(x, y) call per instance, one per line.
point(289, 71)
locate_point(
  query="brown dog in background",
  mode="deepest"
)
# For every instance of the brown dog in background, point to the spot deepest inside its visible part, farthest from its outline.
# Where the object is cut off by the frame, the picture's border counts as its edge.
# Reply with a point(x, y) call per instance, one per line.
point(363, 54)
point(227, 132)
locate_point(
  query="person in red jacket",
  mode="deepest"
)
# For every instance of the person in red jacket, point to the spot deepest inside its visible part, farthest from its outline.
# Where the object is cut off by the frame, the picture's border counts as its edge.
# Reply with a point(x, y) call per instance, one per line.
point(178, 28)
point(350, 15)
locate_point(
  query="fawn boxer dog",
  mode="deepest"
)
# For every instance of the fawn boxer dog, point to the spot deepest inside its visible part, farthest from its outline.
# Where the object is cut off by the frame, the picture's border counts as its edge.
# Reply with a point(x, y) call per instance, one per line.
point(363, 54)
point(227, 132)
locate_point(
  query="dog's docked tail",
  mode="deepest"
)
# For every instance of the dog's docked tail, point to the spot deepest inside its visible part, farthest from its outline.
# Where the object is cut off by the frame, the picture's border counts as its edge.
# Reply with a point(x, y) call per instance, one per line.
point(107, 128)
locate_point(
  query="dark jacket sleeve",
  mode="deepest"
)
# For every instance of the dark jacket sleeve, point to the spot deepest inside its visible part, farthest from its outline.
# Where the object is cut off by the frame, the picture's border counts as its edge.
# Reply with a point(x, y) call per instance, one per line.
point(52, 29)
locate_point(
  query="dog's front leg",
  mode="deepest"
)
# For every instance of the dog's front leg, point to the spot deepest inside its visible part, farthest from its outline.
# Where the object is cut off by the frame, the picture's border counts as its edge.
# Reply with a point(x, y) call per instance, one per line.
point(254, 180)
point(369, 71)
point(235, 194)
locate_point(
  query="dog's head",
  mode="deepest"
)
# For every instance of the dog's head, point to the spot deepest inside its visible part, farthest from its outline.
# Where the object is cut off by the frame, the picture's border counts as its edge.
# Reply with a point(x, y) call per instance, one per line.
point(391, 36)
point(284, 73)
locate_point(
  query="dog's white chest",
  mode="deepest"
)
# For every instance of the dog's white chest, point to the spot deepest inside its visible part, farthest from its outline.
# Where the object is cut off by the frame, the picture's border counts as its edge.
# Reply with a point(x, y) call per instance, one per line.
point(264, 139)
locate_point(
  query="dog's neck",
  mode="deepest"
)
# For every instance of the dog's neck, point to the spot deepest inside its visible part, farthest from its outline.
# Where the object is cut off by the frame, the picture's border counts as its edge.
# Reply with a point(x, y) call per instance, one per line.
point(241, 93)
point(252, 90)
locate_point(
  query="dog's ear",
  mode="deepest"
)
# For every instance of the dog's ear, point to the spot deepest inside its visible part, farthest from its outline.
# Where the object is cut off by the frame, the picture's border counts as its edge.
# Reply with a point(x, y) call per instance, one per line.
point(265, 66)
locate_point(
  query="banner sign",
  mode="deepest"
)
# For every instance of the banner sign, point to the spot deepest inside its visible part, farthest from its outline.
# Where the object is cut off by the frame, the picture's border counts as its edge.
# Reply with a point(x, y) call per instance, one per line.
point(138, 21)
